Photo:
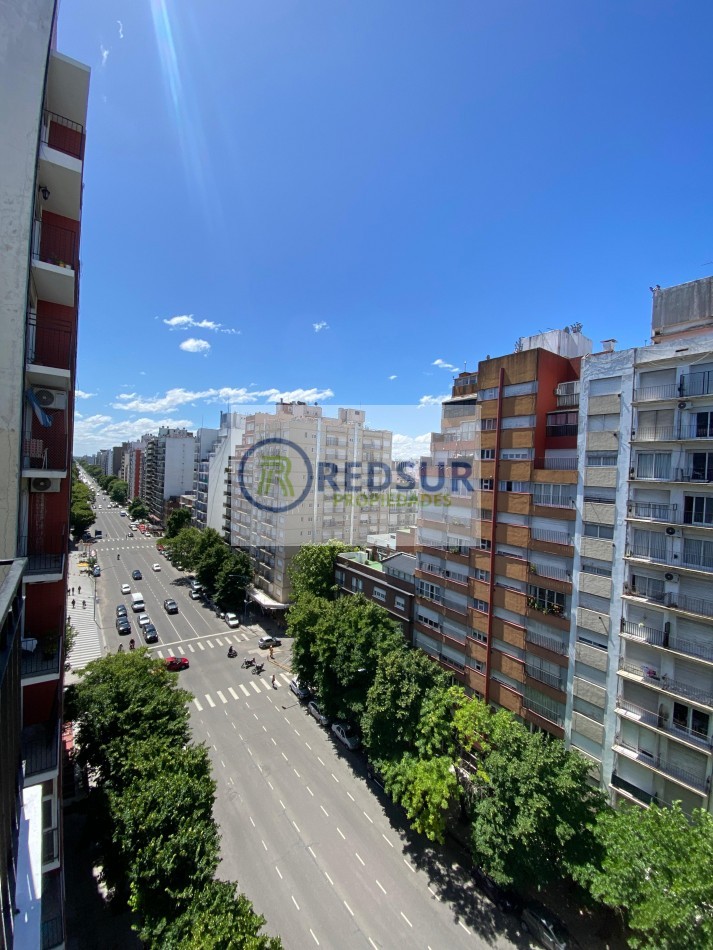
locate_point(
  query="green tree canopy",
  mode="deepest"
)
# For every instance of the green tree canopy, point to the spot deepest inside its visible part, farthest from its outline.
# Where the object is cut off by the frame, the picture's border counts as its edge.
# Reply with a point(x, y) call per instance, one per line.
point(119, 491)
point(311, 570)
point(184, 547)
point(81, 518)
point(658, 868)
point(428, 790)
point(176, 521)
point(138, 509)
point(211, 553)
point(233, 579)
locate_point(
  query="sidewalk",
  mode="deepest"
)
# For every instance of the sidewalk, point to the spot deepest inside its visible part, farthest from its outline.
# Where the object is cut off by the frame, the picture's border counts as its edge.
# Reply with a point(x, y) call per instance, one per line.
point(88, 643)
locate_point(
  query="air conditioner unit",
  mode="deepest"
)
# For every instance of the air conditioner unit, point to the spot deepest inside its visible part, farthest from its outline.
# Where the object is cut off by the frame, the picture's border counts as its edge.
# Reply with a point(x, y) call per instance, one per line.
point(51, 398)
point(671, 531)
point(670, 577)
point(684, 405)
point(45, 484)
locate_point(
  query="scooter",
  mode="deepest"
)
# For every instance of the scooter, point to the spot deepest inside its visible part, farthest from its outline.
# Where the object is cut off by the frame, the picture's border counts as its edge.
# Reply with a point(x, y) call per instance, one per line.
point(246, 664)
point(258, 668)
point(232, 653)
point(132, 645)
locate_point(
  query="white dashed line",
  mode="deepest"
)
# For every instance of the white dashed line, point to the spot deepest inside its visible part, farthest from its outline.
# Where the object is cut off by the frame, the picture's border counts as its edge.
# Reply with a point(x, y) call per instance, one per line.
point(297, 733)
point(351, 796)
point(190, 647)
point(255, 686)
point(197, 705)
point(434, 893)
point(284, 757)
point(244, 689)
point(320, 761)
point(366, 816)
point(329, 879)
point(309, 790)
point(281, 802)
point(406, 919)
point(222, 697)
point(271, 785)
point(219, 641)
point(349, 908)
point(335, 778)
point(232, 692)
point(386, 840)
point(251, 821)
point(309, 848)
point(342, 833)
point(200, 646)
point(181, 651)
point(209, 644)
point(296, 772)
point(159, 653)
point(296, 828)
point(272, 740)
point(409, 866)
point(464, 927)
point(359, 859)
point(222, 763)
point(381, 886)
point(308, 746)
point(376, 948)
point(313, 936)
point(244, 636)
point(210, 701)
point(278, 871)
point(326, 812)
point(295, 902)
point(255, 715)
point(263, 843)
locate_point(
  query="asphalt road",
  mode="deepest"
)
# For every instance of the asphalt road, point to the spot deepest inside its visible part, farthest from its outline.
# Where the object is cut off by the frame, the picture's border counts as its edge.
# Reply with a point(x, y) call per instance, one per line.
point(319, 849)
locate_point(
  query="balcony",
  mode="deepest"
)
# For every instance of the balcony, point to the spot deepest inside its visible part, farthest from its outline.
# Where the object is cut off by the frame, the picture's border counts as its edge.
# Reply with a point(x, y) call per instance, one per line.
point(646, 511)
point(654, 593)
point(554, 573)
point(54, 260)
point(659, 638)
point(680, 433)
point(551, 537)
point(653, 393)
point(658, 763)
point(543, 676)
point(695, 562)
point(44, 660)
point(47, 453)
point(544, 712)
point(40, 751)
point(52, 933)
point(557, 431)
point(50, 354)
point(50, 849)
point(644, 552)
point(632, 791)
point(659, 721)
point(43, 566)
point(691, 605)
point(696, 384)
point(547, 643)
point(650, 676)
point(562, 464)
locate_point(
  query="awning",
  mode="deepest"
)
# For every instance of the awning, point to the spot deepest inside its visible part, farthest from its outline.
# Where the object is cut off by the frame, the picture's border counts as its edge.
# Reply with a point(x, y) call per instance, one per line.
point(264, 600)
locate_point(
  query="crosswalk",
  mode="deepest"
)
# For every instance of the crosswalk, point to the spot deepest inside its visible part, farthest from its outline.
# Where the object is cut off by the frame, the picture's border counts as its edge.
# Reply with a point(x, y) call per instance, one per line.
point(260, 684)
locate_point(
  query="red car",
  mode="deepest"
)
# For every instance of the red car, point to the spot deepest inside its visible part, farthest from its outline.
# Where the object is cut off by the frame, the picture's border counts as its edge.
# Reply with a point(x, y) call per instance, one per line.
point(176, 663)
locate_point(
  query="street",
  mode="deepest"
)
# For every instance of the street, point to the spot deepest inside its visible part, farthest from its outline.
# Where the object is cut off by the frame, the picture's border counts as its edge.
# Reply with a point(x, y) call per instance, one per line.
point(318, 848)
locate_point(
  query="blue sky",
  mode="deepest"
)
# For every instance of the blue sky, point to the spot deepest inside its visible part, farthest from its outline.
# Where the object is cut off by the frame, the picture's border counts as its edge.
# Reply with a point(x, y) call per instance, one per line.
point(321, 199)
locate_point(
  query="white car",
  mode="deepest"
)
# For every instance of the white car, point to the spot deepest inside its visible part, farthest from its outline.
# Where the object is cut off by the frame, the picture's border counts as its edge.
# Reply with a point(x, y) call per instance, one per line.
point(232, 620)
point(125, 589)
point(346, 734)
point(156, 567)
point(144, 620)
point(301, 692)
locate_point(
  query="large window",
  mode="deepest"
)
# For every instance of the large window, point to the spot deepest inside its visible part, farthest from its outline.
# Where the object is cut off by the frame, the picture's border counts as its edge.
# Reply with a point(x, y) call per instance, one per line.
point(698, 509)
point(595, 530)
point(555, 496)
point(655, 465)
point(601, 459)
point(698, 553)
point(704, 425)
point(701, 467)
point(545, 600)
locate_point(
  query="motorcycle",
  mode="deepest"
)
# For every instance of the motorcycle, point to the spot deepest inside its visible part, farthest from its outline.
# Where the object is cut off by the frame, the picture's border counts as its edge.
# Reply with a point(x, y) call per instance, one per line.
point(232, 653)
point(132, 645)
point(246, 664)
point(258, 668)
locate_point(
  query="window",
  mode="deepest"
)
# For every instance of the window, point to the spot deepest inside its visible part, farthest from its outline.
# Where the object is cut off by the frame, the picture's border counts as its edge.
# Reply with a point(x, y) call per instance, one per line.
point(698, 509)
point(429, 591)
point(701, 467)
point(481, 605)
point(545, 600)
point(483, 544)
point(603, 531)
point(518, 422)
point(600, 570)
point(603, 459)
point(554, 496)
point(357, 583)
point(520, 389)
point(491, 393)
point(514, 454)
point(428, 621)
point(481, 575)
point(339, 576)
point(487, 454)
point(486, 484)
point(514, 486)
point(400, 603)
point(606, 386)
point(704, 425)
point(698, 552)
point(379, 594)
point(656, 465)
point(479, 636)
point(691, 720)
point(487, 425)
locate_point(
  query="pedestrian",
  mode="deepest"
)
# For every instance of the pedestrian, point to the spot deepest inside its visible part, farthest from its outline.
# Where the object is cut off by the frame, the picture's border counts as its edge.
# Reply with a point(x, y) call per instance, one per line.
point(73, 590)
point(272, 651)
point(274, 684)
point(73, 603)
point(68, 591)
point(84, 605)
point(79, 590)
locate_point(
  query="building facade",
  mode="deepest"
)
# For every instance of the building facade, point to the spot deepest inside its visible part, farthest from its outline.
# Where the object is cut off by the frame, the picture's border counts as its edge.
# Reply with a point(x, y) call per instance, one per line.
point(388, 582)
point(168, 470)
point(44, 109)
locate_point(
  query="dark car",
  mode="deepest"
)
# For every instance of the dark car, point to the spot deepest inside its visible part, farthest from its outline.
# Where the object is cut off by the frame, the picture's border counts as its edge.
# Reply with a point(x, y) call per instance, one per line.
point(176, 663)
point(503, 898)
point(265, 642)
point(96, 572)
point(150, 633)
point(123, 625)
point(121, 611)
point(137, 575)
point(545, 927)
point(170, 606)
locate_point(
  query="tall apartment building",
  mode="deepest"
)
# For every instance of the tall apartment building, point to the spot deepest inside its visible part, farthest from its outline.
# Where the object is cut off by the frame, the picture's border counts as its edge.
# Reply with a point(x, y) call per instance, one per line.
point(168, 470)
point(212, 473)
point(641, 687)
point(273, 537)
point(131, 469)
point(494, 577)
point(44, 108)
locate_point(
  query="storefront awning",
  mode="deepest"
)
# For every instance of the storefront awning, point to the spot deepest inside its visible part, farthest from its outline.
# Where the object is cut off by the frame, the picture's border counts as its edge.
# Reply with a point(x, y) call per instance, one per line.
point(264, 600)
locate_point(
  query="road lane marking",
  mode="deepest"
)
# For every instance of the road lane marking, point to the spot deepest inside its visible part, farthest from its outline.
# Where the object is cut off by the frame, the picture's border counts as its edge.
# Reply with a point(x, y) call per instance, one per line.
point(295, 902)
point(222, 763)
point(219, 641)
point(244, 688)
point(281, 802)
point(320, 761)
point(278, 871)
point(296, 828)
point(272, 740)
point(181, 651)
point(200, 646)
point(298, 733)
point(251, 821)
point(250, 751)
point(381, 886)
point(313, 936)
point(285, 678)
point(351, 796)
point(271, 785)
point(308, 746)
point(245, 636)
point(409, 866)
point(233, 725)
point(366, 816)
point(210, 701)
point(296, 772)
point(222, 697)
point(325, 811)
point(406, 919)
point(309, 848)
point(263, 843)
point(309, 790)
point(232, 692)
point(255, 715)
point(208, 643)
point(286, 719)
point(264, 728)
point(197, 705)
point(464, 927)
point(255, 686)
point(190, 647)
point(335, 778)
point(386, 840)
point(159, 653)
point(341, 833)
point(284, 757)
point(329, 879)
point(376, 948)
point(434, 893)
point(349, 908)
point(359, 859)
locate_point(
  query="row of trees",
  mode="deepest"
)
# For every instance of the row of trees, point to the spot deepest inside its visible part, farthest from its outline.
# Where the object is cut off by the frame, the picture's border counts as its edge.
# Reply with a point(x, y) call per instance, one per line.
point(81, 516)
point(223, 572)
point(116, 488)
point(152, 807)
point(533, 815)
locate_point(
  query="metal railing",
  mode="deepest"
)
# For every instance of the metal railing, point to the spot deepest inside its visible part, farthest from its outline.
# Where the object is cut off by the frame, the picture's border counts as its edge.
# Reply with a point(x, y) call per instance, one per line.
point(653, 512)
point(646, 553)
point(546, 570)
point(693, 605)
point(44, 563)
point(40, 748)
point(50, 845)
point(552, 537)
point(63, 134)
point(646, 798)
point(544, 677)
point(49, 450)
point(651, 676)
point(563, 464)
point(547, 643)
point(660, 721)
point(49, 345)
point(656, 595)
point(696, 384)
point(561, 430)
point(646, 393)
point(55, 245)
point(701, 563)
point(691, 474)
point(52, 933)
point(694, 779)
point(44, 659)
point(568, 399)
point(544, 712)
point(672, 433)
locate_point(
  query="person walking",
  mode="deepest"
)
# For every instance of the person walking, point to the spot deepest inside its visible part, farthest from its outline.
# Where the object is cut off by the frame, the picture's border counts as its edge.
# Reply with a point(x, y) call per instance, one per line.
point(79, 590)
point(272, 652)
point(274, 684)
point(84, 605)
point(73, 603)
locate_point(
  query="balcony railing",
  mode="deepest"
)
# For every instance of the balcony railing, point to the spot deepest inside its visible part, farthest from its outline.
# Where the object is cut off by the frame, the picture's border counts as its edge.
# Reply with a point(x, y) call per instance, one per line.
point(562, 464)
point(694, 779)
point(699, 563)
point(646, 553)
point(44, 563)
point(696, 384)
point(547, 643)
point(55, 245)
point(543, 676)
point(40, 748)
point(651, 676)
point(50, 845)
point(561, 430)
point(546, 570)
point(646, 798)
point(52, 933)
point(48, 449)
point(655, 594)
point(689, 473)
point(648, 393)
point(693, 605)
point(44, 659)
point(551, 537)
point(544, 712)
point(654, 512)
point(49, 345)
point(63, 134)
point(660, 721)
point(672, 433)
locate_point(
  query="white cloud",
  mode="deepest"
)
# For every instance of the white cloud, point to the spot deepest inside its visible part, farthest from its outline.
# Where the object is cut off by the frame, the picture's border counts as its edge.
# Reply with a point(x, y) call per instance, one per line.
point(195, 346)
point(393, 377)
point(441, 364)
point(410, 447)
point(173, 398)
point(102, 432)
point(432, 400)
point(322, 325)
point(186, 321)
point(121, 29)
point(104, 53)
point(80, 394)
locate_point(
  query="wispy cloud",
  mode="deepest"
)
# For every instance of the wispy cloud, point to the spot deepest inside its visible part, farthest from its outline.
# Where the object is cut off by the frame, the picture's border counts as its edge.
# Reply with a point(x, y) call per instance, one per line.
point(101, 431)
point(121, 29)
point(227, 395)
point(104, 53)
point(192, 345)
point(80, 394)
point(441, 364)
point(431, 400)
point(322, 325)
point(393, 377)
point(404, 447)
point(187, 321)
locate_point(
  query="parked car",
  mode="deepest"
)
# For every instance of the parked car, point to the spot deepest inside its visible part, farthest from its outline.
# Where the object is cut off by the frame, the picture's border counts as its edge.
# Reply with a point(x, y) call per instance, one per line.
point(545, 927)
point(123, 625)
point(346, 735)
point(150, 633)
point(195, 594)
point(125, 589)
point(176, 663)
point(96, 572)
point(503, 898)
point(265, 642)
point(121, 610)
point(137, 575)
point(144, 620)
point(301, 692)
point(156, 567)
point(313, 708)
point(232, 620)
point(170, 606)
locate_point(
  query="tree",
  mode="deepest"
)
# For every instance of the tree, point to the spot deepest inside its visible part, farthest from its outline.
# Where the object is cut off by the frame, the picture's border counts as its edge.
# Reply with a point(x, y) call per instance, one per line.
point(427, 789)
point(178, 519)
point(219, 919)
point(233, 580)
point(304, 617)
point(138, 510)
point(119, 491)
point(184, 547)
point(658, 868)
point(311, 570)
point(211, 554)
point(81, 518)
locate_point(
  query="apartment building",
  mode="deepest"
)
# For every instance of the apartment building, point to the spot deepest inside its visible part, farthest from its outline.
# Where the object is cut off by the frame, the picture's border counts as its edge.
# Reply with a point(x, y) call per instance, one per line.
point(387, 582)
point(44, 108)
point(494, 576)
point(641, 686)
point(212, 473)
point(168, 470)
point(131, 469)
point(274, 496)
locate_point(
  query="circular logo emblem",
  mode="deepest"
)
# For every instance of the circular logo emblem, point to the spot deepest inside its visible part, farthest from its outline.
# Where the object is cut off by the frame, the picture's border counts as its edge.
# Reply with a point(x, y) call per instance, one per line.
point(274, 467)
